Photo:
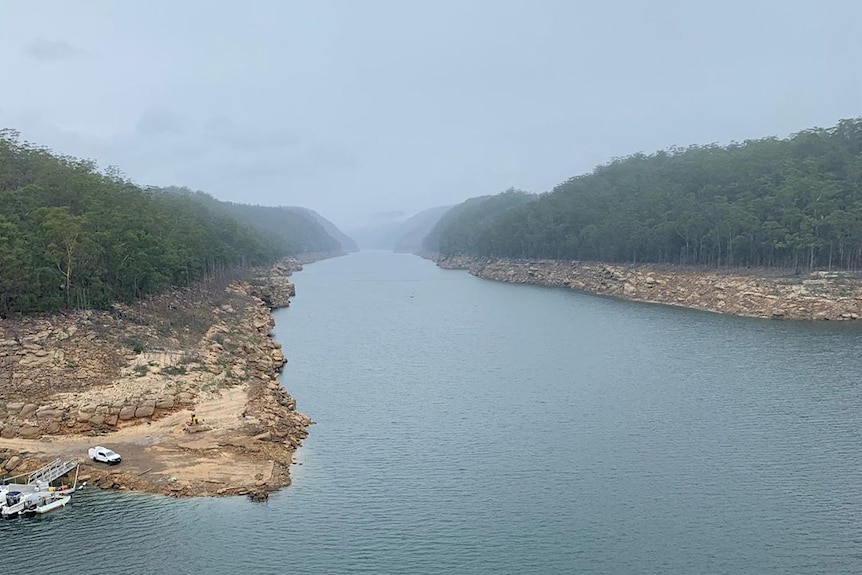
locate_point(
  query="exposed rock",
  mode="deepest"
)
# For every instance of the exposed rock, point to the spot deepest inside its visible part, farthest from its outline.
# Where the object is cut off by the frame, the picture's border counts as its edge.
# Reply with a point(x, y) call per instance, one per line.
point(48, 413)
point(274, 289)
point(165, 403)
point(87, 372)
point(822, 296)
point(29, 432)
point(28, 410)
point(145, 411)
point(258, 495)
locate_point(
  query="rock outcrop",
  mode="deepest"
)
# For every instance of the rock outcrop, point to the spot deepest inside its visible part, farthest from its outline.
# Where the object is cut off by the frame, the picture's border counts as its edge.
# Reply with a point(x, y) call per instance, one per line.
point(820, 295)
point(93, 371)
point(273, 287)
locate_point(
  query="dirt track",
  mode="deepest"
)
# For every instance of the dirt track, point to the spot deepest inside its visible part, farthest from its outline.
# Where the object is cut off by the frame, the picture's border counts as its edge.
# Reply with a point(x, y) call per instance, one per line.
point(162, 457)
point(141, 371)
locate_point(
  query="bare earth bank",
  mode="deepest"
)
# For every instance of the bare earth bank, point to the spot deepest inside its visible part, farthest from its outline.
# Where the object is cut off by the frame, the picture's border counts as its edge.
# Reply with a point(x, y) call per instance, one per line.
point(130, 379)
point(821, 295)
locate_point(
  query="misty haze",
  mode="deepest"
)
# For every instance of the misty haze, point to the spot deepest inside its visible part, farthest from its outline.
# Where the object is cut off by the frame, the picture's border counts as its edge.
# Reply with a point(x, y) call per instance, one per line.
point(441, 287)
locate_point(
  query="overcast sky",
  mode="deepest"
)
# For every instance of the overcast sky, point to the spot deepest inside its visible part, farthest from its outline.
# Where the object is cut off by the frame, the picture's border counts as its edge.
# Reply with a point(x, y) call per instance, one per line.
point(355, 107)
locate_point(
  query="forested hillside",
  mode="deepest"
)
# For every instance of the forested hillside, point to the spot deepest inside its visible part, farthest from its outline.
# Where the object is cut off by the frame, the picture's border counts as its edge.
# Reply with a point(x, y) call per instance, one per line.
point(299, 232)
point(464, 229)
point(348, 245)
point(417, 227)
point(790, 203)
point(72, 237)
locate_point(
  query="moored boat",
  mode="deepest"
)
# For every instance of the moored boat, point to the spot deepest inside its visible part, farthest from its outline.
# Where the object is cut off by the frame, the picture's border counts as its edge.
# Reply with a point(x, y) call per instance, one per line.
point(37, 495)
point(18, 504)
point(56, 503)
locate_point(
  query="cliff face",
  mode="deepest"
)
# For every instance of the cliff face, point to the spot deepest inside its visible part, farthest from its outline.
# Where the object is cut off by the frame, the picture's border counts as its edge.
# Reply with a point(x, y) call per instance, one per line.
point(273, 286)
point(206, 349)
point(818, 296)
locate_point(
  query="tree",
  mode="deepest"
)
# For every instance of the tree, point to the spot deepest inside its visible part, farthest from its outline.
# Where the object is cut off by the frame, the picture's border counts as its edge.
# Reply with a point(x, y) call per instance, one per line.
point(791, 203)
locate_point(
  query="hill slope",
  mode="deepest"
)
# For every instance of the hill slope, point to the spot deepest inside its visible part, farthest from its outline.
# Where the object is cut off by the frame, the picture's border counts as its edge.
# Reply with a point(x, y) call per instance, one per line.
point(348, 245)
point(417, 227)
point(788, 203)
point(464, 229)
point(71, 237)
point(299, 230)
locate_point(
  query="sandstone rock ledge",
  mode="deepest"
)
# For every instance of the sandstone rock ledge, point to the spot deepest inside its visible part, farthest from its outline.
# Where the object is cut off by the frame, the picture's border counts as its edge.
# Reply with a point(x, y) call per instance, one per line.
point(820, 295)
point(131, 377)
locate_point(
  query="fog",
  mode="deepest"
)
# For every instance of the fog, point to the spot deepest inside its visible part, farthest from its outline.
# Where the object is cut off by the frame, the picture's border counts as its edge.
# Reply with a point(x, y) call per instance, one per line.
point(357, 109)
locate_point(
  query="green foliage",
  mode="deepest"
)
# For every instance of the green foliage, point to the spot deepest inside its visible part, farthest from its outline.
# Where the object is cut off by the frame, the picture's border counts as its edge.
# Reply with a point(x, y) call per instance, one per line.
point(71, 237)
point(289, 230)
point(174, 370)
point(137, 345)
point(418, 227)
point(790, 203)
point(464, 228)
point(347, 244)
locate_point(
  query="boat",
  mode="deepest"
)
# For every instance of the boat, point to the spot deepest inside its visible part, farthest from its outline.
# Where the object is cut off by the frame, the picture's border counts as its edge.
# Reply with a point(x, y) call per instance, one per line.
point(58, 502)
point(36, 495)
point(18, 504)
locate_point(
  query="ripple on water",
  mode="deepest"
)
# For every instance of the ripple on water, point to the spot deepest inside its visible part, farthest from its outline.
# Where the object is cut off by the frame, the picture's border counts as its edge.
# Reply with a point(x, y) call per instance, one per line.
point(487, 428)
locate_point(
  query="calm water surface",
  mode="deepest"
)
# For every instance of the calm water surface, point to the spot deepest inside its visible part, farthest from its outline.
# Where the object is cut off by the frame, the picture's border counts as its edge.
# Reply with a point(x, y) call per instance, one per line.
point(467, 426)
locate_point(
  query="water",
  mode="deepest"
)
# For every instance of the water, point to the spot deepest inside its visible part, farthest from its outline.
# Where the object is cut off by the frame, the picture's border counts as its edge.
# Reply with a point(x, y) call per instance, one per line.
point(467, 426)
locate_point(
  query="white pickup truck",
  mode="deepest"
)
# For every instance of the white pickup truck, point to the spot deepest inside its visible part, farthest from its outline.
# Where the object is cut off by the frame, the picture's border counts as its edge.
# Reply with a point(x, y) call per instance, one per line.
point(104, 455)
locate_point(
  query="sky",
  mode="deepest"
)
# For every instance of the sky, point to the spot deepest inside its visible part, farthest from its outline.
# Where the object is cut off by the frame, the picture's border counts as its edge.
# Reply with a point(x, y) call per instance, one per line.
point(357, 108)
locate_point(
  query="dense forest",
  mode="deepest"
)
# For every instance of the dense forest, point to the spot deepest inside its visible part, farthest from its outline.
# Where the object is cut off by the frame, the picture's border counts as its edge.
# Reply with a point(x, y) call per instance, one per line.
point(294, 230)
point(346, 243)
point(788, 203)
point(464, 228)
point(73, 237)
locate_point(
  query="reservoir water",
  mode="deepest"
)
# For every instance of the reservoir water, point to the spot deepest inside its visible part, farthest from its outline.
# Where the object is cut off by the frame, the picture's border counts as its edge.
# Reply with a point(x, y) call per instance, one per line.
point(467, 426)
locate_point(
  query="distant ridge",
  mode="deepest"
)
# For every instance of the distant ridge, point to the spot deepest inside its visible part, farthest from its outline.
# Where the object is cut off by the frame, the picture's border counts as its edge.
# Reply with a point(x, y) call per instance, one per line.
point(301, 231)
point(348, 245)
point(417, 227)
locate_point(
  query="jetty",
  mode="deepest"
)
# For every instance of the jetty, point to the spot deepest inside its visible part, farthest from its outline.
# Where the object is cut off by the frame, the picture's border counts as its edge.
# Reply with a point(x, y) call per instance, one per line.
point(35, 492)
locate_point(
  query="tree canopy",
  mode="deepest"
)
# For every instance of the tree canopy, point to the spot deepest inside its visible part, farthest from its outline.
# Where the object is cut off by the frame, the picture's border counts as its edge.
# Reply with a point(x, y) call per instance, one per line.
point(73, 237)
point(292, 230)
point(464, 229)
point(789, 203)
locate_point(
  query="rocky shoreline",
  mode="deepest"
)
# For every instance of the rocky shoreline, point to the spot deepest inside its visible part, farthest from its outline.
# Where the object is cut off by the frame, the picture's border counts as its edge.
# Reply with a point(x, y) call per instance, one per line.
point(130, 378)
point(821, 295)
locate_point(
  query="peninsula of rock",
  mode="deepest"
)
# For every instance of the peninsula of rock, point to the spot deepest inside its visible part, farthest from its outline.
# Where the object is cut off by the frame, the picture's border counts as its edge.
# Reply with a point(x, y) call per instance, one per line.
point(821, 295)
point(131, 377)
